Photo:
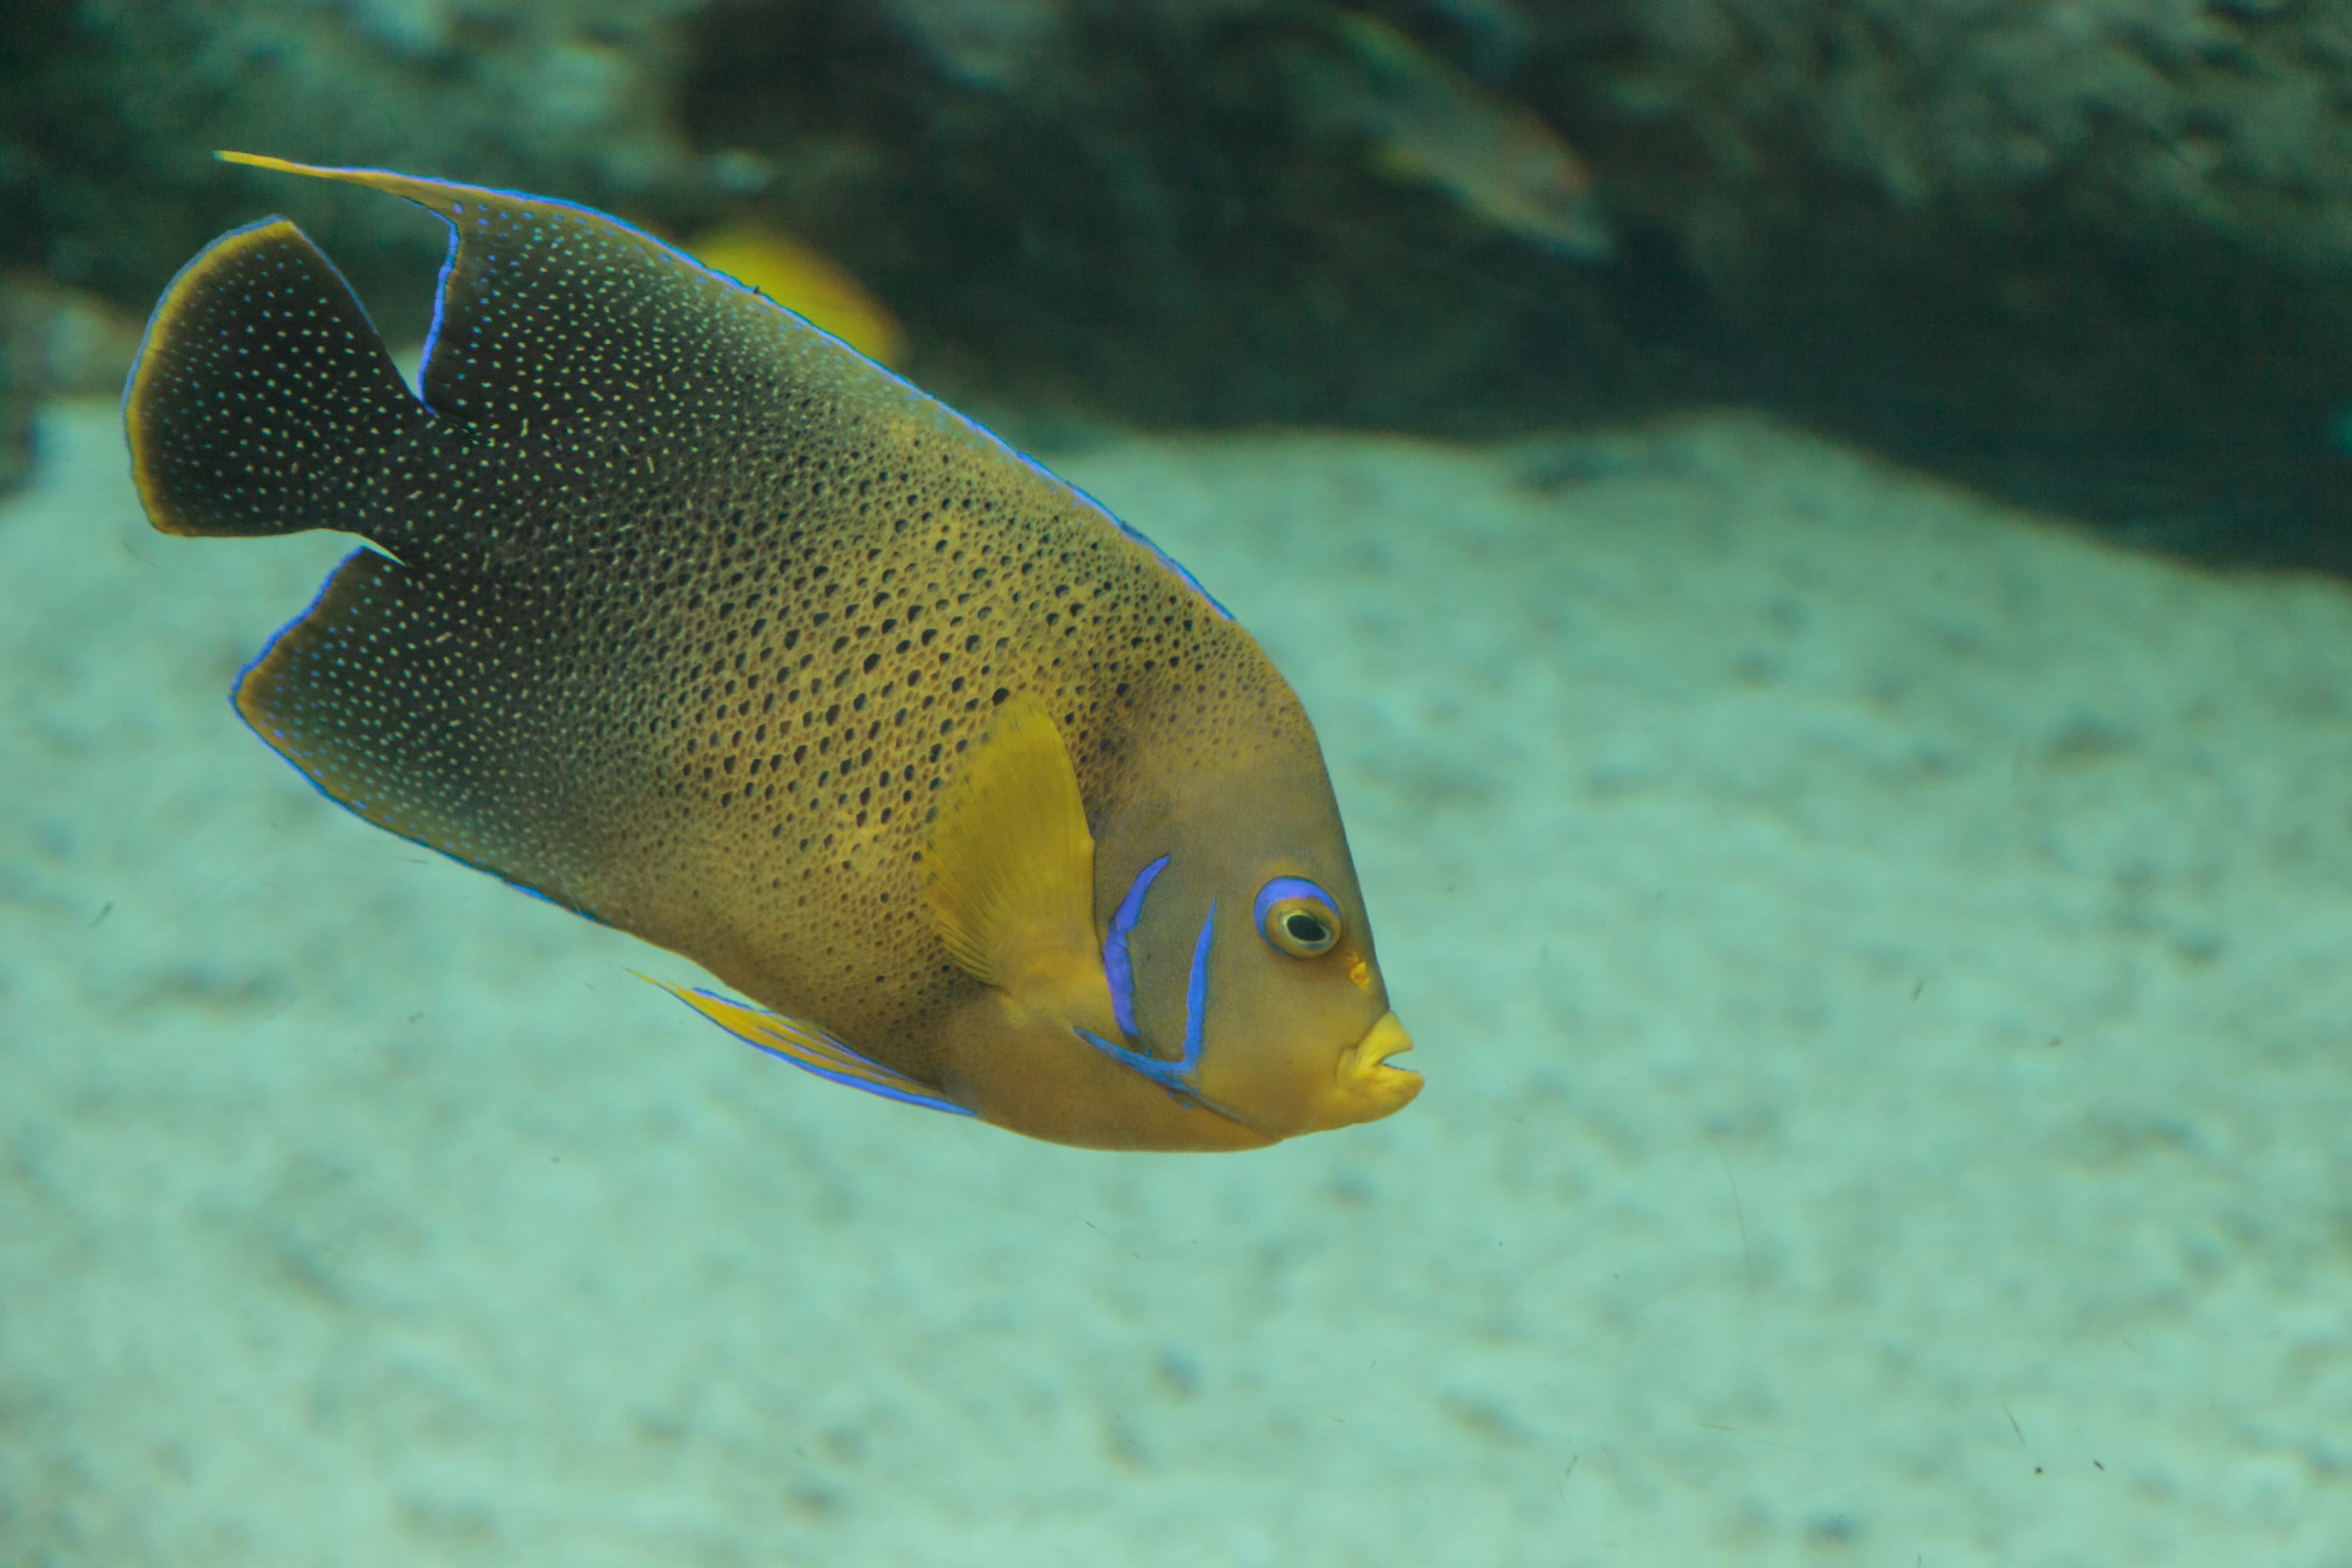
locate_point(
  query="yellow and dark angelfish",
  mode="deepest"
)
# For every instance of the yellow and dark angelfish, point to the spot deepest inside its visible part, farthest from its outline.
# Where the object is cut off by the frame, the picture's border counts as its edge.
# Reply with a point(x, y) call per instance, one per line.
point(684, 615)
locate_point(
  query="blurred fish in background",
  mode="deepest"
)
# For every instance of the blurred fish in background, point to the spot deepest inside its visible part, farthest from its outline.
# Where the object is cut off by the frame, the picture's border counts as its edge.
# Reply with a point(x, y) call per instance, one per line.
point(1428, 121)
point(805, 281)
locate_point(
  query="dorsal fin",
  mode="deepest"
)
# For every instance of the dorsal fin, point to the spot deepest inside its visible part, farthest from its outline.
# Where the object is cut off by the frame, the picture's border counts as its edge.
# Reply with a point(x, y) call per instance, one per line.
point(552, 312)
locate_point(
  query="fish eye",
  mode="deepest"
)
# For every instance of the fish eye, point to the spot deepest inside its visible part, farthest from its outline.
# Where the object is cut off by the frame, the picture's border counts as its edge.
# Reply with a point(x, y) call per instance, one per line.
point(1296, 918)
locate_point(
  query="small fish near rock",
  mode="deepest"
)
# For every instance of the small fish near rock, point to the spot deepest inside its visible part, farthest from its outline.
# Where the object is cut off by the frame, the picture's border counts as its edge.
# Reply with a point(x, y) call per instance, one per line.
point(1426, 121)
point(683, 615)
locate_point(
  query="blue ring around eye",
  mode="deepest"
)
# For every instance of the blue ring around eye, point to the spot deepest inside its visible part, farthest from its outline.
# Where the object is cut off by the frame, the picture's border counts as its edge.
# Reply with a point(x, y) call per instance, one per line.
point(1282, 888)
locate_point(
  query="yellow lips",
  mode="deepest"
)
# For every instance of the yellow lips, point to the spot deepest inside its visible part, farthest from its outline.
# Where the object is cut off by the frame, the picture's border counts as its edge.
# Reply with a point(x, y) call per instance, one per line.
point(1366, 1088)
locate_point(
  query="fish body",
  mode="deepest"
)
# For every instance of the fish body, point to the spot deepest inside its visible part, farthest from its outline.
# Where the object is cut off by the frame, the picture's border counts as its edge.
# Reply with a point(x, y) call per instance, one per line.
point(1429, 122)
point(681, 614)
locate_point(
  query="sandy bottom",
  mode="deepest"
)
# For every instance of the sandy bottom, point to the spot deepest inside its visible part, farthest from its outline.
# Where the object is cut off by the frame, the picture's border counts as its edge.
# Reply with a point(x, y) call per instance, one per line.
point(1882, 966)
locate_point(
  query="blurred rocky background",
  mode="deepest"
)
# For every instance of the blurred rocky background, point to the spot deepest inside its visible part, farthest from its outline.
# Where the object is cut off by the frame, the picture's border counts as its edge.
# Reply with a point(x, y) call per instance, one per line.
point(2093, 255)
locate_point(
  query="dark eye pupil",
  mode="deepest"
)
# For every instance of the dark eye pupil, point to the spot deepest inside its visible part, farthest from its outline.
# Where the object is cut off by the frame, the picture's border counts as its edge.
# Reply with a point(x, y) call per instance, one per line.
point(1304, 928)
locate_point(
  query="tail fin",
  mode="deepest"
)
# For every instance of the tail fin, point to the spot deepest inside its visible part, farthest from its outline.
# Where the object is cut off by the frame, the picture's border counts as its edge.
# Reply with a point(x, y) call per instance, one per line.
point(263, 400)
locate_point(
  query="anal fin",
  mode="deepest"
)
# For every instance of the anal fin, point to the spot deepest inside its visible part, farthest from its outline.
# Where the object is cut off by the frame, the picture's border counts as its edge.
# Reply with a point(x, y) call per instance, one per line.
point(808, 1048)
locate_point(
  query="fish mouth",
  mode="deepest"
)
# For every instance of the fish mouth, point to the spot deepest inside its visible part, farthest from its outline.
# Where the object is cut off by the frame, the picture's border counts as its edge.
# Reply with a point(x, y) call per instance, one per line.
point(1368, 1087)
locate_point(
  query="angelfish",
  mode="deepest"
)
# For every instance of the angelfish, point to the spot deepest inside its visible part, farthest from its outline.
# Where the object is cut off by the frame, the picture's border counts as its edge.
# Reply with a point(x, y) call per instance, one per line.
point(683, 615)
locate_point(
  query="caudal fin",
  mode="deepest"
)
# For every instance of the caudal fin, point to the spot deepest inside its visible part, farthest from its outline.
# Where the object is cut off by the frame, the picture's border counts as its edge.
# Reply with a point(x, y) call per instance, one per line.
point(264, 402)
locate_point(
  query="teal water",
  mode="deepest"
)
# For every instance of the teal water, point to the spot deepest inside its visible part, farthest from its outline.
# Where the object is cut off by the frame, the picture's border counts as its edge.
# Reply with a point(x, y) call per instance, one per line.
point(1879, 963)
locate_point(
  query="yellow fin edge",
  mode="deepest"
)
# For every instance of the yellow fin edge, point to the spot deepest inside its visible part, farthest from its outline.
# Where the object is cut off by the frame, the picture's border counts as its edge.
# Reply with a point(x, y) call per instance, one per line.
point(160, 325)
point(441, 195)
point(808, 1048)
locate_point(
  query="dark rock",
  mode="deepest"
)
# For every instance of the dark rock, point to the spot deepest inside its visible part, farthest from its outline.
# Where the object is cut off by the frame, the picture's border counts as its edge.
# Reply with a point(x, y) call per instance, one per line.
point(2096, 257)
point(19, 386)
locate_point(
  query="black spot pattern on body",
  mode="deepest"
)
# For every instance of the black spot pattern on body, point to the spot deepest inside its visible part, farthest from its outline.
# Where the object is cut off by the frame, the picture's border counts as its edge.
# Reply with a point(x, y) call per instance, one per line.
point(693, 612)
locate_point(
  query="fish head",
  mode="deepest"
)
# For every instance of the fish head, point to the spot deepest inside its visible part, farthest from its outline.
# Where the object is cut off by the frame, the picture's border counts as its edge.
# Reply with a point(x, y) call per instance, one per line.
point(1249, 975)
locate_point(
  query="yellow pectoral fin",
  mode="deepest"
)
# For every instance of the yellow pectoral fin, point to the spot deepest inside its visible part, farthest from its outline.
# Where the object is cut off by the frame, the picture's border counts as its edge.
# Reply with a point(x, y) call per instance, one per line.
point(808, 1048)
point(1011, 890)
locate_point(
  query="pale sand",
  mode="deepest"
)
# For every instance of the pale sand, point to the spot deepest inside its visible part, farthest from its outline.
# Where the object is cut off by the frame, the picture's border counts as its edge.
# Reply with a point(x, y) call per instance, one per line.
point(1884, 968)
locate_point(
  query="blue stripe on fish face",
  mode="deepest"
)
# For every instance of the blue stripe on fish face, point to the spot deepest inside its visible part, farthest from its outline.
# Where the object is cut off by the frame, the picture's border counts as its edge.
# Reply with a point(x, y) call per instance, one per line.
point(1181, 1078)
point(1196, 997)
point(1117, 966)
